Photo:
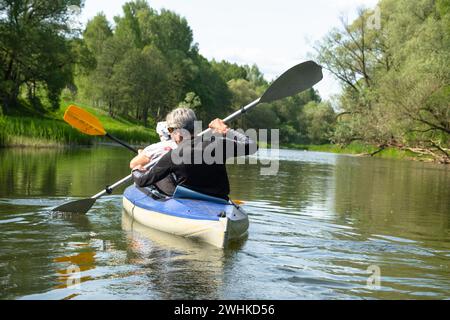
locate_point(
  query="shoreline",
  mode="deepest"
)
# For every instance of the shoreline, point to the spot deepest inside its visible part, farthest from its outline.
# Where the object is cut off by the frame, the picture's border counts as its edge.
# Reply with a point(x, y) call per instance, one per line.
point(51, 132)
point(37, 131)
point(22, 142)
point(362, 150)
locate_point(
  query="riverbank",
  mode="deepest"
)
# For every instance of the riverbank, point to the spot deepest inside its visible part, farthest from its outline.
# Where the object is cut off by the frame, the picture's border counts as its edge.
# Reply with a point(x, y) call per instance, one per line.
point(361, 149)
point(49, 130)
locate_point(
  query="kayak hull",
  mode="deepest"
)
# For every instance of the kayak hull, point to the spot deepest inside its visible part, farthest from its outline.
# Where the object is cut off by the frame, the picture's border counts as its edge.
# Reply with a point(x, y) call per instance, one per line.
point(213, 223)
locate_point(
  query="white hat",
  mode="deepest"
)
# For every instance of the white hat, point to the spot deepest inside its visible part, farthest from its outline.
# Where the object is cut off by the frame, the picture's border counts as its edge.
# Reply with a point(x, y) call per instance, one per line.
point(161, 129)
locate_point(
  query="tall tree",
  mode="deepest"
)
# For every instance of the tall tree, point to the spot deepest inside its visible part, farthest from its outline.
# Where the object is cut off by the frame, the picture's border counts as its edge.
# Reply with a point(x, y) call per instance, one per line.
point(34, 49)
point(143, 83)
point(104, 83)
point(211, 89)
point(97, 31)
point(395, 78)
point(229, 71)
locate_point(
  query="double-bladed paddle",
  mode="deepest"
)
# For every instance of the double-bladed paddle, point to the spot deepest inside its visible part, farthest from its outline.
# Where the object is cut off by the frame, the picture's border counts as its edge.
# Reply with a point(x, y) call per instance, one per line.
point(297, 79)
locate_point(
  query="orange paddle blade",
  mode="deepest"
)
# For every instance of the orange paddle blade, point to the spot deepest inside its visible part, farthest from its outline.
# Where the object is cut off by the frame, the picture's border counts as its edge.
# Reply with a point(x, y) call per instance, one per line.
point(83, 121)
point(238, 202)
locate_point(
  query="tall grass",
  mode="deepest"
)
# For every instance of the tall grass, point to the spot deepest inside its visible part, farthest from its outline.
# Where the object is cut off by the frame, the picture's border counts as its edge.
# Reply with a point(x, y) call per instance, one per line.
point(119, 127)
point(33, 129)
point(2, 131)
point(16, 131)
point(40, 132)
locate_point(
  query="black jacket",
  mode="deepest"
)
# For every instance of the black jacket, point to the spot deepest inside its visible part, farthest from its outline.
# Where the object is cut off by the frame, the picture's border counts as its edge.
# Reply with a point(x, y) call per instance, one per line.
point(199, 164)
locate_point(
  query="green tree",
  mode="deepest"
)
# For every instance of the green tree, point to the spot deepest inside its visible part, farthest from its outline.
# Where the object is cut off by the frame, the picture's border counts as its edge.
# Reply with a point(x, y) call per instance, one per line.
point(96, 33)
point(34, 49)
point(416, 94)
point(229, 71)
point(244, 92)
point(104, 83)
point(319, 120)
point(211, 89)
point(127, 26)
point(192, 101)
point(143, 84)
point(255, 76)
point(395, 79)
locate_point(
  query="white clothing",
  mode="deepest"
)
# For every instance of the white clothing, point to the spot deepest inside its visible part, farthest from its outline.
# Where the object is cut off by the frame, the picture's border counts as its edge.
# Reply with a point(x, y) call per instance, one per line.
point(157, 150)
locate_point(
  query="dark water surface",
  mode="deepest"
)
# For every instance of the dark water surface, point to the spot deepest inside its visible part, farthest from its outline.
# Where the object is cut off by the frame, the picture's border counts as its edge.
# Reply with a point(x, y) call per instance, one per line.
point(318, 230)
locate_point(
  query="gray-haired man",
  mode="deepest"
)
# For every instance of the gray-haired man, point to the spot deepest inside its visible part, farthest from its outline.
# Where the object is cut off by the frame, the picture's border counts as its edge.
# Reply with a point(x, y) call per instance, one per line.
point(197, 172)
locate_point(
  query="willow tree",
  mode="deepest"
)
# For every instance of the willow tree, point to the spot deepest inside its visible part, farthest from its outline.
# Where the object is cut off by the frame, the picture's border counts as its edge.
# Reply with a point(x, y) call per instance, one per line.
point(395, 78)
point(416, 93)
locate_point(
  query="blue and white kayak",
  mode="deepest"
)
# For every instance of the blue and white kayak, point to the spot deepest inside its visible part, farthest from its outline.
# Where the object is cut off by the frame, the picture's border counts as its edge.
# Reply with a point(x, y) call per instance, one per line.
point(188, 214)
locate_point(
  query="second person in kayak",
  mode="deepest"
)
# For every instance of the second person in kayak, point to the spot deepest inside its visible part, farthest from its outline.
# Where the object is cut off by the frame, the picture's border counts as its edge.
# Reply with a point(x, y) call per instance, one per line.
point(197, 163)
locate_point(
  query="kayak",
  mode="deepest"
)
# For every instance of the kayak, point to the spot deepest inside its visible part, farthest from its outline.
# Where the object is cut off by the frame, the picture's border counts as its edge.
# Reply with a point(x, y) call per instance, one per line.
point(188, 214)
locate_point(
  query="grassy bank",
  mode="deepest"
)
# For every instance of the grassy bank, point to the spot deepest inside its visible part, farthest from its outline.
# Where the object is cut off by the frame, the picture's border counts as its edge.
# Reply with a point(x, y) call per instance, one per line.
point(50, 130)
point(361, 149)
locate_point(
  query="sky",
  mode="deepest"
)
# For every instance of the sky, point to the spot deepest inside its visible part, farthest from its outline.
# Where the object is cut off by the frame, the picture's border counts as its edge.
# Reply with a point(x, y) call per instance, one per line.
point(274, 34)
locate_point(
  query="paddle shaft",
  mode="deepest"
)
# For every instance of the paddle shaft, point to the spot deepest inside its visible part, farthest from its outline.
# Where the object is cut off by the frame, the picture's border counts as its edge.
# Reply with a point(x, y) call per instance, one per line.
point(121, 142)
point(235, 115)
point(111, 188)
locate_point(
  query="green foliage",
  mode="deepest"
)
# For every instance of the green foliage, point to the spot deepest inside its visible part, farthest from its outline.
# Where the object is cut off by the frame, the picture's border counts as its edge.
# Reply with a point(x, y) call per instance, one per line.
point(211, 89)
point(142, 82)
point(32, 131)
point(243, 92)
point(139, 70)
point(319, 120)
point(229, 71)
point(147, 65)
point(396, 79)
point(42, 130)
point(35, 49)
point(192, 101)
point(96, 33)
point(171, 33)
point(255, 76)
point(2, 130)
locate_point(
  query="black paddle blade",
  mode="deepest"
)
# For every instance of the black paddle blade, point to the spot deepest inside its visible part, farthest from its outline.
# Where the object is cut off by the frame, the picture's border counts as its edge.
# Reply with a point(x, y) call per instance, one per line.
point(78, 206)
point(297, 79)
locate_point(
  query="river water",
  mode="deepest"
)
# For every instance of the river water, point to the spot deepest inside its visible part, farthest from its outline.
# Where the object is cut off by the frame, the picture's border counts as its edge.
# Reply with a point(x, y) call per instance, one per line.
point(325, 227)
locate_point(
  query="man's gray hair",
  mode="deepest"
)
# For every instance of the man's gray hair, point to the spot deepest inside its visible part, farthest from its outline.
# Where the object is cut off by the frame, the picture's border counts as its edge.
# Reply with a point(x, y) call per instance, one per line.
point(182, 118)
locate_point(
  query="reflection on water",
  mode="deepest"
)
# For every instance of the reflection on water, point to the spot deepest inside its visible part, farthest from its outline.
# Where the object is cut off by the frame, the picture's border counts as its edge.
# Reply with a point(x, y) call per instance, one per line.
point(315, 229)
point(180, 267)
point(82, 261)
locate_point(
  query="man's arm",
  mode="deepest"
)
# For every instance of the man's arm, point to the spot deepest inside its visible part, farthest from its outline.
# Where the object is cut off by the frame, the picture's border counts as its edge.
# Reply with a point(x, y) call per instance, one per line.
point(161, 170)
point(139, 160)
point(233, 143)
point(239, 144)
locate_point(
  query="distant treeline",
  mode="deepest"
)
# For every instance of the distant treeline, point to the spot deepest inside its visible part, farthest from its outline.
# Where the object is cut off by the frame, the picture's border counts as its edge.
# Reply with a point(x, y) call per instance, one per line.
point(139, 67)
point(394, 66)
point(394, 71)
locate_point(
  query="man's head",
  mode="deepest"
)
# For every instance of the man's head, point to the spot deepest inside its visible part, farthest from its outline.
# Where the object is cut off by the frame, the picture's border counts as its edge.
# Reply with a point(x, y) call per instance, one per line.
point(180, 121)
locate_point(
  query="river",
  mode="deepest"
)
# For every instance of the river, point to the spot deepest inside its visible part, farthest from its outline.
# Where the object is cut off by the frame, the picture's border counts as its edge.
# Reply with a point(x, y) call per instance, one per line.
point(325, 227)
